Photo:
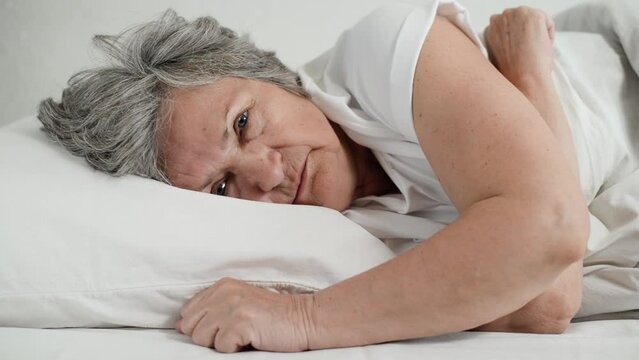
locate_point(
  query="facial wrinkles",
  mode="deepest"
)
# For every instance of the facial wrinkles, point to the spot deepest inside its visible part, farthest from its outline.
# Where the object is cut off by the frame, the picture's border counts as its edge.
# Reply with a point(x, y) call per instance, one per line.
point(295, 158)
point(193, 168)
point(269, 125)
point(265, 129)
point(264, 135)
point(221, 146)
point(267, 167)
point(294, 167)
point(196, 147)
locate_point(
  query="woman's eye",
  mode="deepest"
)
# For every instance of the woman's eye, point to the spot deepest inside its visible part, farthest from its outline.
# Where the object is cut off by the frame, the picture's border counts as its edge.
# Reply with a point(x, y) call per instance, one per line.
point(242, 121)
point(221, 188)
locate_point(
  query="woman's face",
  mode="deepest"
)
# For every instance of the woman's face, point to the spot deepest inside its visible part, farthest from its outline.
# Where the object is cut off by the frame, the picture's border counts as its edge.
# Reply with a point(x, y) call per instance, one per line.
point(253, 140)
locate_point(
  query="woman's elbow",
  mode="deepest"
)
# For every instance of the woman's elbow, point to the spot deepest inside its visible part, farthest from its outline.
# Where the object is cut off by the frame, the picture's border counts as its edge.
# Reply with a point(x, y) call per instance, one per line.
point(569, 224)
point(553, 229)
point(550, 313)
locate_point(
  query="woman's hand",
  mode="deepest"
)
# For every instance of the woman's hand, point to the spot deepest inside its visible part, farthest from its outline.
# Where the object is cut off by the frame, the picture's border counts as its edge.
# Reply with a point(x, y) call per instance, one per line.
point(231, 315)
point(520, 44)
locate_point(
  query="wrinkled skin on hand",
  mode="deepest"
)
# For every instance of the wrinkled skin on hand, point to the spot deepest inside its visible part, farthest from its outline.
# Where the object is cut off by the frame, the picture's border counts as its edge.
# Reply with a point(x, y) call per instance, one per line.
point(232, 315)
point(520, 43)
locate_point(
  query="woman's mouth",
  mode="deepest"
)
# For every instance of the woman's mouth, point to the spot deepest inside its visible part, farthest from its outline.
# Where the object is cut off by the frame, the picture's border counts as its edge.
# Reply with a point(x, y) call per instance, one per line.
point(301, 183)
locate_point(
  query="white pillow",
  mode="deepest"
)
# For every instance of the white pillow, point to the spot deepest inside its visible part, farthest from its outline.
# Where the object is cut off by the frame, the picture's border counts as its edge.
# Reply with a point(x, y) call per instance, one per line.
point(81, 248)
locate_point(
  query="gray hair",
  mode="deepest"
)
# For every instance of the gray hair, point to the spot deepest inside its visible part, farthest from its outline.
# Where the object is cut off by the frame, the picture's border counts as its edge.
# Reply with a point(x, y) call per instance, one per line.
point(110, 115)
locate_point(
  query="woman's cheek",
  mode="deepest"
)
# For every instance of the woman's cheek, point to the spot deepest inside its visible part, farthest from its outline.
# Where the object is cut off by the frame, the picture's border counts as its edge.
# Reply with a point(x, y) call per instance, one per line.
point(333, 188)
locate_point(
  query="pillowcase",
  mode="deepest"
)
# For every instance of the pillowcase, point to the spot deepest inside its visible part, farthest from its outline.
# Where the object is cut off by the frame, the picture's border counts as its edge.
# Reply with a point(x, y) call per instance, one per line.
point(80, 248)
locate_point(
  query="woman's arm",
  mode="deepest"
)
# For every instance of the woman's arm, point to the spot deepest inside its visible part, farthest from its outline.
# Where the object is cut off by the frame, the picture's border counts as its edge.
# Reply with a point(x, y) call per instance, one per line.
point(522, 222)
point(519, 42)
point(520, 45)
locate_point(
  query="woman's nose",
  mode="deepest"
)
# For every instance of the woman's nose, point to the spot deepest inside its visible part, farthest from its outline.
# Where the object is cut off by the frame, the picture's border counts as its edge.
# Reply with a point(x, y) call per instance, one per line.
point(263, 169)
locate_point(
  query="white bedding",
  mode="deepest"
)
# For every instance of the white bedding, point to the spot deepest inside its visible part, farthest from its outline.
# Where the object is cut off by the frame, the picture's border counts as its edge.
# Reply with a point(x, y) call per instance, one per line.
point(597, 63)
point(597, 340)
point(606, 284)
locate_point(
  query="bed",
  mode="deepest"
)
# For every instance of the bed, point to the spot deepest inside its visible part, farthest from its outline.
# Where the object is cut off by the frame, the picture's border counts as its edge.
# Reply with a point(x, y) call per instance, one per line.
point(120, 288)
point(606, 339)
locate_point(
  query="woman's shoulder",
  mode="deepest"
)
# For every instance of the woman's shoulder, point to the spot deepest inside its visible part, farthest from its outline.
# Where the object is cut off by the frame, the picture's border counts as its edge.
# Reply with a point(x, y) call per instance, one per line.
point(371, 60)
point(372, 65)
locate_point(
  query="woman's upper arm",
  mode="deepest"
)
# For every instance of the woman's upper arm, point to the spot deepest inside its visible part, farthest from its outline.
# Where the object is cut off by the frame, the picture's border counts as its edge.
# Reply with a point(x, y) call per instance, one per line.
point(481, 136)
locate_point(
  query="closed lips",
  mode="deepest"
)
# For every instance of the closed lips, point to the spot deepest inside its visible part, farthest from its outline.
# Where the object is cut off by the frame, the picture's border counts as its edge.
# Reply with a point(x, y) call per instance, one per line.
point(301, 181)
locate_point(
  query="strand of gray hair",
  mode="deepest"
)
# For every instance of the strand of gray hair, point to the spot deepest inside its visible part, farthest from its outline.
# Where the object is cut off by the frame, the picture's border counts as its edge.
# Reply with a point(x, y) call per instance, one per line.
point(111, 114)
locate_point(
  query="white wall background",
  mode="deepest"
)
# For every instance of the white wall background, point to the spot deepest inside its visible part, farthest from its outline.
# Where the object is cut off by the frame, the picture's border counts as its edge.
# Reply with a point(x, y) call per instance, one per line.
point(44, 42)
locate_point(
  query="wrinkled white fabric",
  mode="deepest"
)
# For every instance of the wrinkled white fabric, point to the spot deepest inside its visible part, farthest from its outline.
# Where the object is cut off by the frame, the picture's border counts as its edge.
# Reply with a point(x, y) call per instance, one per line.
point(601, 57)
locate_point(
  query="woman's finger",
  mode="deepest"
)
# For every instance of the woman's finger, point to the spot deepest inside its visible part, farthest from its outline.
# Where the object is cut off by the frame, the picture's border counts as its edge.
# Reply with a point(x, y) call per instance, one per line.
point(550, 25)
point(488, 41)
point(188, 323)
point(205, 333)
point(229, 342)
point(190, 304)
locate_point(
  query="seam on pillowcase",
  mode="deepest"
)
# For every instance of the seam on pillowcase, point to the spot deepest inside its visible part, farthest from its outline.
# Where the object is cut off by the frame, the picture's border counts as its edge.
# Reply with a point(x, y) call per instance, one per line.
point(279, 286)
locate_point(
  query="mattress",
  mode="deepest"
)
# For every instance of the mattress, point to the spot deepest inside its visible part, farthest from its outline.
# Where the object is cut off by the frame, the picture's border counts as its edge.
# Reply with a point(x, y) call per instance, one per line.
point(604, 339)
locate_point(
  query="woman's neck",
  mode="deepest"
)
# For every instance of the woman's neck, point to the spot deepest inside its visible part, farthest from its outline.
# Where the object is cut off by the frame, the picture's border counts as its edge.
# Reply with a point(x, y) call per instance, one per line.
point(371, 177)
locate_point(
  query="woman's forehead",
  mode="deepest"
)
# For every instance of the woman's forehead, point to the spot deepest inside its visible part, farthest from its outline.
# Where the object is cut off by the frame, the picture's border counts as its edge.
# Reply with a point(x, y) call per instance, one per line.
point(193, 140)
point(196, 111)
point(209, 105)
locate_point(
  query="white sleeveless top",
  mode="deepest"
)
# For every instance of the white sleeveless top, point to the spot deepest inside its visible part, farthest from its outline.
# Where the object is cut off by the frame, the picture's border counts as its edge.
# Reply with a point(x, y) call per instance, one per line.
point(364, 84)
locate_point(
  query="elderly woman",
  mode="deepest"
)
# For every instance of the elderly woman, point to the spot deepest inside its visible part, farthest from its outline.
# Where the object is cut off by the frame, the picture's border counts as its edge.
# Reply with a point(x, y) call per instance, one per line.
point(404, 117)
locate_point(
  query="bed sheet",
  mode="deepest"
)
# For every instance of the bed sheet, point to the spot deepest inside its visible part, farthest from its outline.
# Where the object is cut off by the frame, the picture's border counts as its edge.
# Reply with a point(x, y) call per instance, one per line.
point(607, 339)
